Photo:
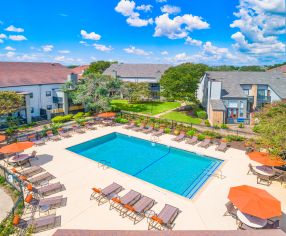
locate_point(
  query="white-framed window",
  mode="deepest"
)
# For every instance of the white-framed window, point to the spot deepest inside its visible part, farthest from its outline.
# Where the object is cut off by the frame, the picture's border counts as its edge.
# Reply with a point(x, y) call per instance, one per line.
point(246, 91)
point(232, 104)
point(48, 93)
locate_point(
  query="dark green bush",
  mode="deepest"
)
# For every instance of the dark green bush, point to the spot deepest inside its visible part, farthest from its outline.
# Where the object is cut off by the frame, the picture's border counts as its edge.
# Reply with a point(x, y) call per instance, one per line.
point(207, 123)
point(216, 127)
point(234, 138)
point(191, 132)
point(78, 115)
point(212, 134)
point(224, 126)
point(201, 114)
point(167, 130)
point(62, 119)
point(201, 137)
point(121, 120)
point(241, 125)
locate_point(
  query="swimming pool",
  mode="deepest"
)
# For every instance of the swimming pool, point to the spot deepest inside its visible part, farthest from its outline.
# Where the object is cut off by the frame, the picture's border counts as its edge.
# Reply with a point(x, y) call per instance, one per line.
point(172, 169)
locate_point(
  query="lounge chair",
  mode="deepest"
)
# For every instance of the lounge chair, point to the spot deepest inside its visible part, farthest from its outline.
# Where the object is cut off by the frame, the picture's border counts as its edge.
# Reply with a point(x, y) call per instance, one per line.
point(129, 198)
point(49, 189)
point(36, 141)
point(159, 132)
point(149, 130)
point(180, 137)
point(64, 134)
point(41, 223)
point(30, 171)
point(140, 128)
point(263, 179)
point(222, 147)
point(106, 193)
point(130, 126)
point(193, 140)
point(137, 211)
point(206, 143)
point(78, 129)
point(53, 137)
point(280, 177)
point(41, 178)
point(52, 202)
point(34, 155)
point(251, 169)
point(165, 219)
point(90, 126)
point(230, 210)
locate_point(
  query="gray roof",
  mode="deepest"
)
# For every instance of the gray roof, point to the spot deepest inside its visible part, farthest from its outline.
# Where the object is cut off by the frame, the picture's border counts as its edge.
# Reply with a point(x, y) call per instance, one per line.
point(137, 70)
point(217, 105)
point(231, 81)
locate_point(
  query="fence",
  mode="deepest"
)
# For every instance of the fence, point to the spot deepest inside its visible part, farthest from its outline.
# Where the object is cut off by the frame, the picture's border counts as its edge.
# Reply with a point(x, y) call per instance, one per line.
point(16, 184)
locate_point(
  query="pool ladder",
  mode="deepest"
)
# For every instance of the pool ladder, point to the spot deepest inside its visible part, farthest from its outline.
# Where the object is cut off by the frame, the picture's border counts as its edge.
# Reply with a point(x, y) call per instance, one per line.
point(104, 164)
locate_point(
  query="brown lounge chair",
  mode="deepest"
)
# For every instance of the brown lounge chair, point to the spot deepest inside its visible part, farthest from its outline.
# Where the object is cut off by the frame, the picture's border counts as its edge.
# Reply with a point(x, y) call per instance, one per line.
point(206, 143)
point(129, 198)
point(149, 130)
point(137, 129)
point(39, 224)
point(64, 134)
point(106, 193)
point(130, 126)
point(251, 169)
point(30, 171)
point(230, 210)
point(165, 219)
point(37, 180)
point(222, 147)
point(78, 129)
point(90, 126)
point(263, 179)
point(180, 137)
point(193, 140)
point(137, 211)
point(159, 132)
point(49, 189)
point(52, 202)
point(36, 141)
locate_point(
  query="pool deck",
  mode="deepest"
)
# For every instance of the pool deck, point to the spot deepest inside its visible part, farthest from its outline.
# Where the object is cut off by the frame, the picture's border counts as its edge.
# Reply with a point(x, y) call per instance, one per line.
point(203, 212)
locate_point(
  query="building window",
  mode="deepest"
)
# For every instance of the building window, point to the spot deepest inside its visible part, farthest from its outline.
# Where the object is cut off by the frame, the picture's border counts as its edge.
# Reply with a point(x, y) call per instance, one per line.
point(32, 110)
point(60, 105)
point(48, 93)
point(246, 91)
point(232, 104)
point(232, 113)
point(49, 107)
point(31, 95)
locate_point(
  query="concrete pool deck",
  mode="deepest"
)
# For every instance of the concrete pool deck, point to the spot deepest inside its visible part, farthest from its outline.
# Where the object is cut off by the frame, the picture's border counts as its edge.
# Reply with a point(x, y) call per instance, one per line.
point(203, 212)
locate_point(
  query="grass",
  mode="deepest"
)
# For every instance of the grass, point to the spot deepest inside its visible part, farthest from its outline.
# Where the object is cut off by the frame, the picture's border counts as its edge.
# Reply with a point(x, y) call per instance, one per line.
point(148, 108)
point(181, 117)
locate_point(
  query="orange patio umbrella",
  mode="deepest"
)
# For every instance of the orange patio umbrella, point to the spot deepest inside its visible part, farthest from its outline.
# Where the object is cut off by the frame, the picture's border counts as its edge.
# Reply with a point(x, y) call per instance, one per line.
point(107, 114)
point(254, 201)
point(16, 147)
point(2, 138)
point(266, 159)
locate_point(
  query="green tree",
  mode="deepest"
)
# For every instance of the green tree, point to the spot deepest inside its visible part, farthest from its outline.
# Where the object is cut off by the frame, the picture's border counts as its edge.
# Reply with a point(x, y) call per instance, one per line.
point(10, 102)
point(181, 82)
point(252, 68)
point(98, 67)
point(135, 92)
point(272, 126)
point(95, 92)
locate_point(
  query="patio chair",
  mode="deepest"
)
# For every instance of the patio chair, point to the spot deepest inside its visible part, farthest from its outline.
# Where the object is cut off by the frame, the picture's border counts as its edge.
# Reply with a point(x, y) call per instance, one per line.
point(140, 128)
point(30, 171)
point(206, 143)
point(165, 219)
point(230, 210)
point(129, 198)
point(137, 211)
point(40, 224)
point(159, 132)
point(222, 147)
point(52, 202)
point(180, 137)
point(149, 130)
point(193, 140)
point(104, 194)
point(251, 169)
point(263, 179)
point(49, 189)
point(130, 126)
point(41, 178)
point(31, 203)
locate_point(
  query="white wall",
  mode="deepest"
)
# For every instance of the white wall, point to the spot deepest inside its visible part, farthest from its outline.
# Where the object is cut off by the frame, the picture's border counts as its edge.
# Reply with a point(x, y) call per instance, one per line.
point(39, 100)
point(216, 90)
point(274, 96)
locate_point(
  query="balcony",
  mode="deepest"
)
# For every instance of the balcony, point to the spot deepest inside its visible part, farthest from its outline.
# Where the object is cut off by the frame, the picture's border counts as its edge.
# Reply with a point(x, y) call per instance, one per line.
point(58, 100)
point(263, 99)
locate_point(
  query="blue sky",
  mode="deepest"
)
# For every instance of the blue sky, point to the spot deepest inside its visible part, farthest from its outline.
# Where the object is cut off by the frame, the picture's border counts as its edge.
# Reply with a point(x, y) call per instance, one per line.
point(155, 31)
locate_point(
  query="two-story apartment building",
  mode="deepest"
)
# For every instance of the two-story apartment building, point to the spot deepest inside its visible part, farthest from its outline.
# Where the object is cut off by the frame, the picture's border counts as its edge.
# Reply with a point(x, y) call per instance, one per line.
point(40, 83)
point(231, 97)
point(138, 73)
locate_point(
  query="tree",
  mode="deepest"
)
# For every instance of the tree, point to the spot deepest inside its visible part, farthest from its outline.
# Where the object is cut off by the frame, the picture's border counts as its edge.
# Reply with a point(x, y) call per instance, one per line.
point(272, 126)
point(98, 67)
point(251, 68)
point(181, 82)
point(10, 102)
point(135, 92)
point(95, 92)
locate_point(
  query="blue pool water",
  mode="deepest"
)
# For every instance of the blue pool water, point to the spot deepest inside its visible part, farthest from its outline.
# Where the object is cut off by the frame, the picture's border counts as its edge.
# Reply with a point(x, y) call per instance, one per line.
point(173, 169)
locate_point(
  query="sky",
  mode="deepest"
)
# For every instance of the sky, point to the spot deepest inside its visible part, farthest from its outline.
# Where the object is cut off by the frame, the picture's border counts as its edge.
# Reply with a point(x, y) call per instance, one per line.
point(215, 32)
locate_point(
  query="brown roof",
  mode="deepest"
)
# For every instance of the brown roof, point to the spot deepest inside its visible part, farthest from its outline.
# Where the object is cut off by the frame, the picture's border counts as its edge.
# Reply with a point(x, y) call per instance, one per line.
point(80, 69)
point(32, 73)
point(279, 68)
point(264, 232)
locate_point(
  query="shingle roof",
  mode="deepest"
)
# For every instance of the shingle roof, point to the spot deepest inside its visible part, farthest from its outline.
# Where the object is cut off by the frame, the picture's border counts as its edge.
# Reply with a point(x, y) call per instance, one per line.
point(217, 105)
point(279, 69)
point(80, 69)
point(137, 70)
point(231, 81)
point(30, 73)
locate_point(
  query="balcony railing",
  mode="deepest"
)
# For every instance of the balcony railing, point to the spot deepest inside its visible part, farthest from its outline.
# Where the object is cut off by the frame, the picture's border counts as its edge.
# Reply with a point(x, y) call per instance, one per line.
point(75, 107)
point(264, 99)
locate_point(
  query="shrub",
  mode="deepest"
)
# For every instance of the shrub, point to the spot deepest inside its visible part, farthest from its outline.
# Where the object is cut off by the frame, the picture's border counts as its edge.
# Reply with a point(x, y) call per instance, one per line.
point(62, 119)
point(201, 114)
point(241, 125)
point(156, 126)
point(167, 130)
point(207, 123)
point(191, 132)
point(176, 132)
point(255, 129)
point(216, 127)
point(201, 137)
point(89, 113)
point(121, 120)
point(212, 134)
point(224, 126)
point(234, 138)
point(78, 115)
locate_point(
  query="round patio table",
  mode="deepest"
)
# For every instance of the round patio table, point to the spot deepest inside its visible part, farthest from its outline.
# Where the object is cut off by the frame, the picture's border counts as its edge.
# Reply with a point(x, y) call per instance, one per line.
point(19, 158)
point(264, 170)
point(251, 221)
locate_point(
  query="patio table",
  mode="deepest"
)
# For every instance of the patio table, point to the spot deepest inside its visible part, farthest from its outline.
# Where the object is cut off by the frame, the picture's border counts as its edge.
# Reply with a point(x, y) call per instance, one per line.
point(264, 170)
point(19, 158)
point(251, 221)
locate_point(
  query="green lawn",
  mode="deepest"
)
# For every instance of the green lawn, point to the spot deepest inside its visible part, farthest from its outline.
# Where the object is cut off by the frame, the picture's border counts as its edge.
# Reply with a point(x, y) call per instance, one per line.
point(148, 108)
point(181, 117)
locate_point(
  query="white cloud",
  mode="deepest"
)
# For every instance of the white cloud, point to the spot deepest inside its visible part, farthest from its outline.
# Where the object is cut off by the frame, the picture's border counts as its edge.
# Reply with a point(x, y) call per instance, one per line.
point(3, 36)
point(64, 51)
point(193, 42)
point(137, 22)
point(10, 54)
point(137, 51)
point(60, 58)
point(63, 14)
point(179, 26)
point(170, 9)
point(164, 53)
point(145, 8)
point(83, 43)
point(103, 48)
point(91, 35)
point(17, 37)
point(160, 1)
point(125, 7)
point(12, 28)
point(9, 48)
point(47, 48)
point(27, 57)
